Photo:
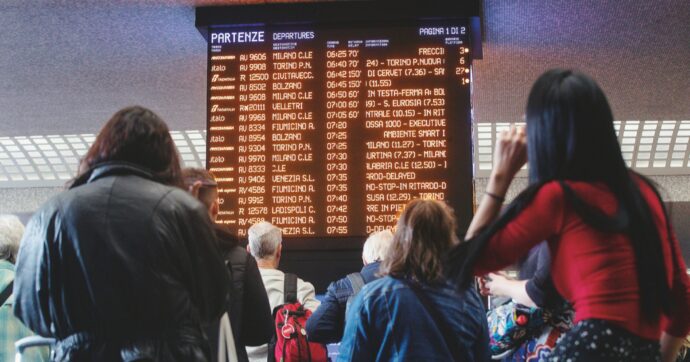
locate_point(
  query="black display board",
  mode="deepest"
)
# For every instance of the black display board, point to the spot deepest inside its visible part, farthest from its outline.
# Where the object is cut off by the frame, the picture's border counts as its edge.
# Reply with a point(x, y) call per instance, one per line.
point(326, 120)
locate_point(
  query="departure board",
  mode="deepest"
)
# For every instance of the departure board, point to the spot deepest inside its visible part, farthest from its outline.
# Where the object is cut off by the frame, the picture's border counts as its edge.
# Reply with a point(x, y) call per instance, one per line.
point(330, 130)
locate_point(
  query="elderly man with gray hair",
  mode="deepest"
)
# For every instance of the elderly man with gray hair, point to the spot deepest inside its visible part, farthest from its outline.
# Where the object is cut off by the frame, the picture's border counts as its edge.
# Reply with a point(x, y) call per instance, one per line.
point(11, 328)
point(265, 245)
point(326, 325)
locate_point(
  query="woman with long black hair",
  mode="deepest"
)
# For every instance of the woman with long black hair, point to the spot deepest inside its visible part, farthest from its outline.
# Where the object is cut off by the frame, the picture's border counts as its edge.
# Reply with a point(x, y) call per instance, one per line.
point(614, 253)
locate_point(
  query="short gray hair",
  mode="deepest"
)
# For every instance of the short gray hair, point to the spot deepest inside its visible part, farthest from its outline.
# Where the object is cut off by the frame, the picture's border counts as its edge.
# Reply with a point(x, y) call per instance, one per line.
point(377, 245)
point(11, 231)
point(264, 239)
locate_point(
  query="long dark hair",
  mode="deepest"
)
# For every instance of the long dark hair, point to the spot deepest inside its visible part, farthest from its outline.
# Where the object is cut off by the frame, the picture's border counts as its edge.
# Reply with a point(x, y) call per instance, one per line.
point(138, 136)
point(425, 232)
point(570, 136)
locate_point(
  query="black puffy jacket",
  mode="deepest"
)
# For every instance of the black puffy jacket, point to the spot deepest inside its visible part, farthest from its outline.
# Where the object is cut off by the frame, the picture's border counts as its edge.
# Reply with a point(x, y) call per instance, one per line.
point(248, 306)
point(121, 267)
point(249, 309)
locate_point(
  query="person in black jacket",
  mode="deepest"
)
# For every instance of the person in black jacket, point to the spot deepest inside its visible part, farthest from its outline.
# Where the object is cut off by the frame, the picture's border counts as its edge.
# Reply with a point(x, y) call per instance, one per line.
point(327, 323)
point(124, 265)
point(248, 306)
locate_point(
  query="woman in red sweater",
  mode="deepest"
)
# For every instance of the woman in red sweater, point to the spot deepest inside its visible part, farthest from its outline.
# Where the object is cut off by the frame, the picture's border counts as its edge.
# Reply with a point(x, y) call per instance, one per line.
point(614, 253)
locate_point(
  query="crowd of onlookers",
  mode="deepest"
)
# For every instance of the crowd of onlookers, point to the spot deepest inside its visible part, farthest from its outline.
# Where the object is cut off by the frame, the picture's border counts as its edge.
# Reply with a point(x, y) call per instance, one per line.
point(128, 264)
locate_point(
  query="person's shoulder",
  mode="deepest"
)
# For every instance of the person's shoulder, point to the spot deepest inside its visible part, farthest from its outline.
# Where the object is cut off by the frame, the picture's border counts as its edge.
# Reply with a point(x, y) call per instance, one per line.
point(180, 197)
point(270, 276)
point(342, 284)
point(470, 297)
point(383, 285)
point(237, 255)
point(380, 283)
point(550, 194)
point(580, 188)
point(135, 186)
point(378, 292)
point(647, 187)
point(650, 193)
point(48, 212)
point(174, 200)
point(386, 281)
point(341, 289)
point(54, 203)
point(454, 299)
point(271, 272)
point(553, 188)
point(305, 284)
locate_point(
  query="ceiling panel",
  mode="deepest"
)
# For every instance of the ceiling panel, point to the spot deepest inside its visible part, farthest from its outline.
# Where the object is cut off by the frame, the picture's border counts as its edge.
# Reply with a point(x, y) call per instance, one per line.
point(67, 66)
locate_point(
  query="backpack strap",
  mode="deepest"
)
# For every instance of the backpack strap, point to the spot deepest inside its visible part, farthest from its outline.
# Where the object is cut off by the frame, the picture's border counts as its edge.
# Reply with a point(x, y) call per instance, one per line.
point(446, 331)
point(356, 281)
point(6, 293)
point(290, 288)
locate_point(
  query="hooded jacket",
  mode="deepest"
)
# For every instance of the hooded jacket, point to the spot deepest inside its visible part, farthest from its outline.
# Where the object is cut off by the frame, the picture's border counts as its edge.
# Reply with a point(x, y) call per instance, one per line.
point(121, 267)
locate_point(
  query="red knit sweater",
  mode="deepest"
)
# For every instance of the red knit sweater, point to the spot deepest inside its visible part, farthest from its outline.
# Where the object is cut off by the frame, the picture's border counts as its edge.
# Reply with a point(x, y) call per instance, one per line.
point(593, 270)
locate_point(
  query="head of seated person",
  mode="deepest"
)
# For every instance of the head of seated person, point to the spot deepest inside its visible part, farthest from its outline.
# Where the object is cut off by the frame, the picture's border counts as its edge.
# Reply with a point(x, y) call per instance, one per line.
point(265, 244)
